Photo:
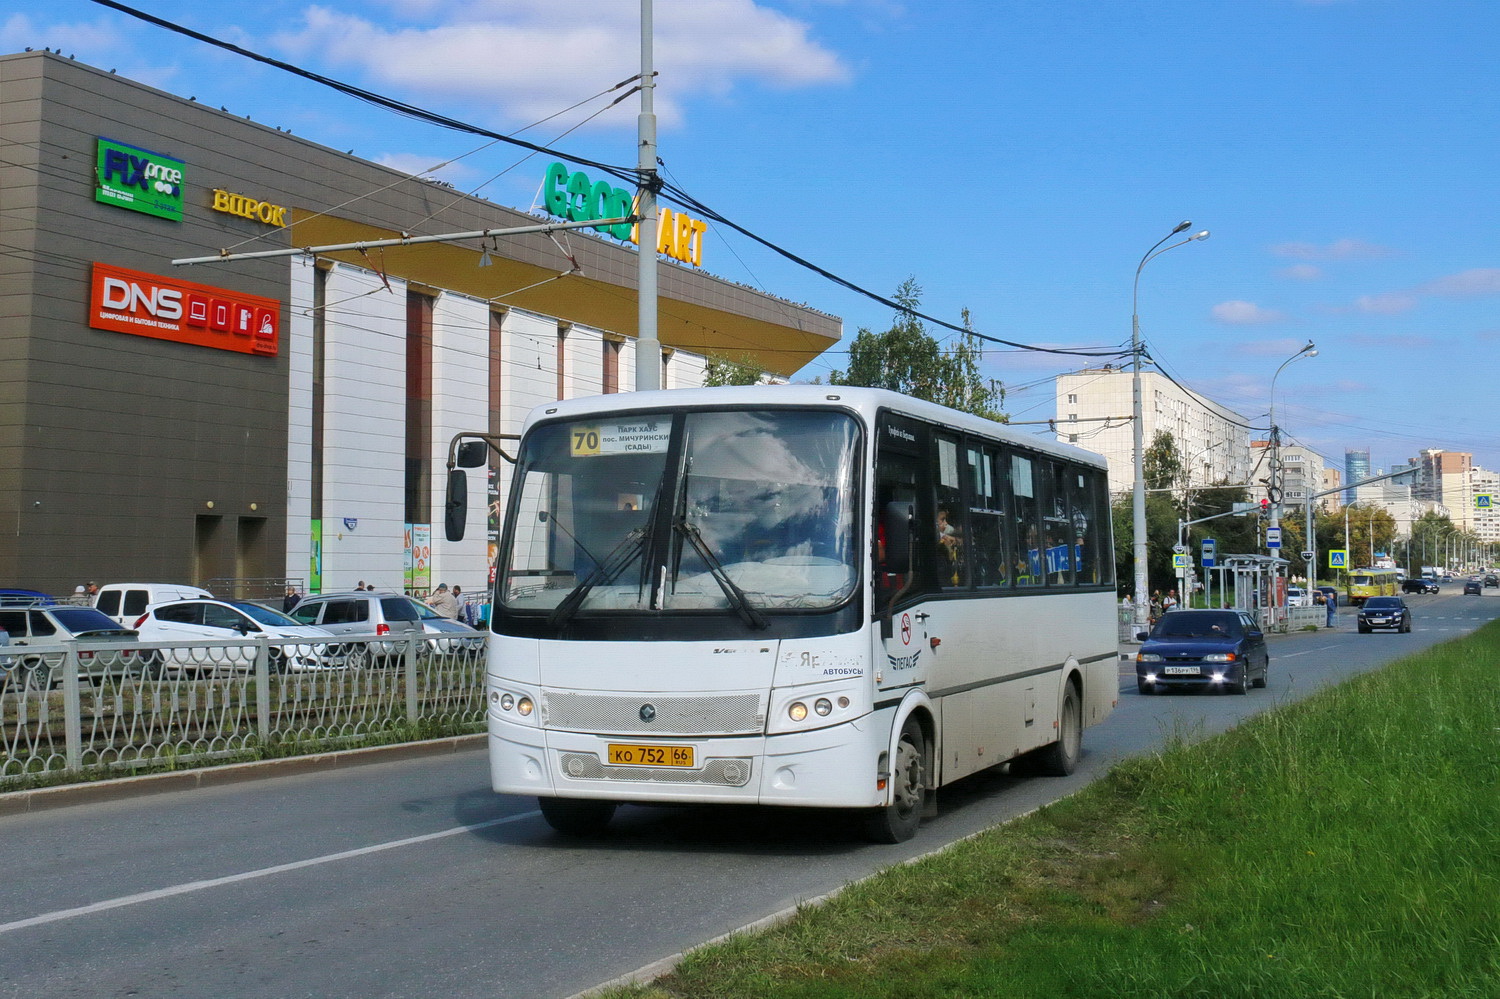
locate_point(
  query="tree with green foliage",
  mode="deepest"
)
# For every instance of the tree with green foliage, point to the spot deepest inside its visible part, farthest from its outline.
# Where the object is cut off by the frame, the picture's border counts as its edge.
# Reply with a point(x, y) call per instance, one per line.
point(1163, 464)
point(907, 359)
point(1168, 501)
point(726, 371)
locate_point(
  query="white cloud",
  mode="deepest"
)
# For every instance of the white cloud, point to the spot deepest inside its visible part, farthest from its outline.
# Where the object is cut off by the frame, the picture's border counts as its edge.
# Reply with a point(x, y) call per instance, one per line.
point(18, 32)
point(1237, 313)
point(1301, 272)
point(1339, 249)
point(420, 165)
point(1388, 303)
point(525, 61)
point(1281, 347)
point(1468, 284)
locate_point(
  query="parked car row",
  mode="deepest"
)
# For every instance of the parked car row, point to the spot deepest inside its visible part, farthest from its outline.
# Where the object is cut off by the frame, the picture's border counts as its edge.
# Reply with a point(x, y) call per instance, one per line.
point(196, 633)
point(99, 639)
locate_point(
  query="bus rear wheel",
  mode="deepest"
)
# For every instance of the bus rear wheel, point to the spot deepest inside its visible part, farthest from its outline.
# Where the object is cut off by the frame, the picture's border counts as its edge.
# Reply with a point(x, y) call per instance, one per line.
point(577, 816)
point(1061, 758)
point(898, 821)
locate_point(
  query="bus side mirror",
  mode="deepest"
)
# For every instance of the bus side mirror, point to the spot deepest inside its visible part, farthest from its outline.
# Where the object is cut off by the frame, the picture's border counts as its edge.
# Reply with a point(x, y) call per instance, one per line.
point(473, 454)
point(896, 522)
point(456, 508)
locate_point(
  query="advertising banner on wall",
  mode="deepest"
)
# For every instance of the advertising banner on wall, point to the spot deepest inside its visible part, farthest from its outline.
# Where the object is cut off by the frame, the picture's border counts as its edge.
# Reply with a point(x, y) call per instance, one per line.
point(127, 301)
point(138, 179)
point(315, 560)
point(421, 557)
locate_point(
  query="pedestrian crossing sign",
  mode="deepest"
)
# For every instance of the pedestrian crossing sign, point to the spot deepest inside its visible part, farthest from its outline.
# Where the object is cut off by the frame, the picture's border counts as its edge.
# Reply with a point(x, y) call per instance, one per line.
point(1484, 501)
point(1182, 562)
point(1338, 558)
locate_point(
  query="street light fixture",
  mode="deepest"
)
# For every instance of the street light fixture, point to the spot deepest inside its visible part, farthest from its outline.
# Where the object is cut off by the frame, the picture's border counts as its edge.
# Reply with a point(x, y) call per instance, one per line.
point(1275, 479)
point(1307, 351)
point(1138, 487)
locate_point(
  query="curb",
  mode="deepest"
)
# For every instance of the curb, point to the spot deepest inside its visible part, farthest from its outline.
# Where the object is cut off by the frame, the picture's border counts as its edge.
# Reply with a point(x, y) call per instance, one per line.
point(91, 792)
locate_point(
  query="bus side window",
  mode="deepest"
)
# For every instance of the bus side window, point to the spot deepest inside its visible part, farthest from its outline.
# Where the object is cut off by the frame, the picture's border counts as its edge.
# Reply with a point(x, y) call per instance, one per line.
point(1057, 524)
point(950, 527)
point(895, 490)
point(1024, 510)
point(986, 519)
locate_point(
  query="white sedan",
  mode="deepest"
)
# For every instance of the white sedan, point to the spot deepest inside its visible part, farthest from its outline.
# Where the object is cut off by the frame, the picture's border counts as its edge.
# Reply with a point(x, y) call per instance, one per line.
point(218, 627)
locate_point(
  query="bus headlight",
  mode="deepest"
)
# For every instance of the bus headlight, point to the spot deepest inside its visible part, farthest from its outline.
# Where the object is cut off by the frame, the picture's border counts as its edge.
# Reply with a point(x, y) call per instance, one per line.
point(524, 707)
point(797, 712)
point(823, 706)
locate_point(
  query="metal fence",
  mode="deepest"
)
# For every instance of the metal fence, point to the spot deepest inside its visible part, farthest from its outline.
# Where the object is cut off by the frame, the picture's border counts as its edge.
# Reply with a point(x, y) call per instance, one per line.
point(79, 710)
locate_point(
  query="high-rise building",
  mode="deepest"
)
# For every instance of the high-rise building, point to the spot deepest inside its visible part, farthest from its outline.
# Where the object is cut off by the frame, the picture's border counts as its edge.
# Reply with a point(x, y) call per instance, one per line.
point(1094, 410)
point(1356, 467)
point(1487, 516)
point(1446, 477)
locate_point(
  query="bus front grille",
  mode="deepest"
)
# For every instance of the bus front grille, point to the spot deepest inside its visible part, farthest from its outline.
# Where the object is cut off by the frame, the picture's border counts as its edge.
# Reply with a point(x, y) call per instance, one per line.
point(723, 772)
point(653, 714)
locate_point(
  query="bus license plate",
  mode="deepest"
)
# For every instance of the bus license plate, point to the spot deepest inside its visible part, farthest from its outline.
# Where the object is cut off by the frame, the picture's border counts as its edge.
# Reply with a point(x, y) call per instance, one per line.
point(1182, 670)
point(650, 756)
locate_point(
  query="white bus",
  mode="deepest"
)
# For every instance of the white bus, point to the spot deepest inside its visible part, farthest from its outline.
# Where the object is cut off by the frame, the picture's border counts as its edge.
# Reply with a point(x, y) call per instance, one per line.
point(791, 595)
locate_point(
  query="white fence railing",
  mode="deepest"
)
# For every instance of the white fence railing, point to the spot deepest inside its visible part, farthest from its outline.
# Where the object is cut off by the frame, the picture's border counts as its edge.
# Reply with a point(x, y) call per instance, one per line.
point(85, 710)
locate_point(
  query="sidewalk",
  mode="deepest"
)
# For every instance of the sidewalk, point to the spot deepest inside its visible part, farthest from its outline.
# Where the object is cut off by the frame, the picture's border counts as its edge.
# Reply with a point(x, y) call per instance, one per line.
point(88, 792)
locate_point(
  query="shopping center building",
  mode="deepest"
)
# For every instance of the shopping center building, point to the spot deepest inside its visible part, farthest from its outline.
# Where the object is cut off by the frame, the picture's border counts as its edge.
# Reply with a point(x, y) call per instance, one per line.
point(289, 417)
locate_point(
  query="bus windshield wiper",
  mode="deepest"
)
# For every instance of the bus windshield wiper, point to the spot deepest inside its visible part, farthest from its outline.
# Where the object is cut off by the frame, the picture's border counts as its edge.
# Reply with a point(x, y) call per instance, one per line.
point(736, 596)
point(614, 563)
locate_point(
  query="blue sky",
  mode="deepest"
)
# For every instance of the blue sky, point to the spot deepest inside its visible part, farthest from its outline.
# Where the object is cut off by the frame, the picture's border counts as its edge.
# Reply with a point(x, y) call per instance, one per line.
point(1016, 159)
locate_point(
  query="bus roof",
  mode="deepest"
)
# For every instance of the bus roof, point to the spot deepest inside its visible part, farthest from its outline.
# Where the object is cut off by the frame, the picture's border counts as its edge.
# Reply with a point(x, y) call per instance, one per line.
point(865, 401)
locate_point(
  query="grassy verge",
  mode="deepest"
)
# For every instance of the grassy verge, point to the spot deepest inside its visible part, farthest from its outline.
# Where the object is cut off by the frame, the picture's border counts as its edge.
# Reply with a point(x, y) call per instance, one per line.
point(1344, 846)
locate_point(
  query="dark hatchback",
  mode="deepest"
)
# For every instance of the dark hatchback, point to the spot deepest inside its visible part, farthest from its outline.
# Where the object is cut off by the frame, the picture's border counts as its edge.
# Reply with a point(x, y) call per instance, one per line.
point(1419, 584)
point(1212, 649)
point(1384, 612)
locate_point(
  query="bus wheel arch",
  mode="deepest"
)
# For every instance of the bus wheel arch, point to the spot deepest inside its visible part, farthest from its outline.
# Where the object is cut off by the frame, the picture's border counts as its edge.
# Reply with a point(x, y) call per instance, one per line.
point(909, 766)
point(1060, 758)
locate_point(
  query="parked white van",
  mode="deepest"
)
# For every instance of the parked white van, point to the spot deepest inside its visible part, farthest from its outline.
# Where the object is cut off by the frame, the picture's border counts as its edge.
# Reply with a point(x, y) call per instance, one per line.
point(127, 601)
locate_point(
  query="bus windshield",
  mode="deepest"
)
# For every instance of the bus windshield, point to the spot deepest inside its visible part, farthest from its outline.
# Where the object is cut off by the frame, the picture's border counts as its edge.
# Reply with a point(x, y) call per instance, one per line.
point(715, 511)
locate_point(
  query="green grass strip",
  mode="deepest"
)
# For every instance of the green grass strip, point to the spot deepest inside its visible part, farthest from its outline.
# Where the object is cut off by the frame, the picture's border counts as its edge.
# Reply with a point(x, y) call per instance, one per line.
point(1344, 846)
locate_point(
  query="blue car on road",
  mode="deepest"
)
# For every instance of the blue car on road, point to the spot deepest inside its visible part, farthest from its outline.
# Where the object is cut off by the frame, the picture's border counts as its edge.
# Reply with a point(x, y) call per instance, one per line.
point(1202, 649)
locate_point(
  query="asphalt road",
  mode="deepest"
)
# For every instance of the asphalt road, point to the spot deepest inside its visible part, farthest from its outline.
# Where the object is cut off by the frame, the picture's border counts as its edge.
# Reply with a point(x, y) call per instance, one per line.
point(410, 878)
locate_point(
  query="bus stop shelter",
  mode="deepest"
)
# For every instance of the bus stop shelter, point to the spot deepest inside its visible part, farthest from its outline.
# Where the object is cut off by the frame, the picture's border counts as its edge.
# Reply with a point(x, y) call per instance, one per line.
point(1255, 584)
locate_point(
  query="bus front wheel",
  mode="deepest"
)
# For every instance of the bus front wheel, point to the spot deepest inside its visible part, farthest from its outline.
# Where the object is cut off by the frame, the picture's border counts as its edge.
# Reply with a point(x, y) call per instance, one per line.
point(577, 816)
point(898, 821)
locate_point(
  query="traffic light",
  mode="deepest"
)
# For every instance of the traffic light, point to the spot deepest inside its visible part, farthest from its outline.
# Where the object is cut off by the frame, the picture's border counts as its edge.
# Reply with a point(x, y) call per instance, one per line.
point(1265, 506)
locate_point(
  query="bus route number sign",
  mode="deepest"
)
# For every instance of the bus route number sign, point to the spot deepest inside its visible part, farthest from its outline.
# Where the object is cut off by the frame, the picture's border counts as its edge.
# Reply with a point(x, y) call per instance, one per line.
point(648, 435)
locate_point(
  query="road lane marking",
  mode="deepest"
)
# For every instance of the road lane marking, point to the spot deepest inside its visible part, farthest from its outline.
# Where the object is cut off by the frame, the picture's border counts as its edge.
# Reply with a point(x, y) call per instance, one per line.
point(297, 865)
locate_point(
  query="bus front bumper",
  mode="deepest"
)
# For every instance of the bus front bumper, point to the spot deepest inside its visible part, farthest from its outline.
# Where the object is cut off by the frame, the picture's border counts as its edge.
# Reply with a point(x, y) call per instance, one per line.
point(833, 767)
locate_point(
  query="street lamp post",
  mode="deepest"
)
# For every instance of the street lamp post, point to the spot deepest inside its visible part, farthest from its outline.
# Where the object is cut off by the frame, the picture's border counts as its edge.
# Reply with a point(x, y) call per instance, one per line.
point(1141, 598)
point(1275, 491)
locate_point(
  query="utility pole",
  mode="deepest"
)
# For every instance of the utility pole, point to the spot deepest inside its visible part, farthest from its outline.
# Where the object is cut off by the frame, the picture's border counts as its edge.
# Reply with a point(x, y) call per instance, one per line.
point(647, 346)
